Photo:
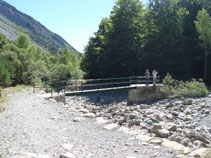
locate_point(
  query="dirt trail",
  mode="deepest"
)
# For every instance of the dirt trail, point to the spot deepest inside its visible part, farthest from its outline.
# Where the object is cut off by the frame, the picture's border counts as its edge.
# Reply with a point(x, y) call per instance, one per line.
point(32, 124)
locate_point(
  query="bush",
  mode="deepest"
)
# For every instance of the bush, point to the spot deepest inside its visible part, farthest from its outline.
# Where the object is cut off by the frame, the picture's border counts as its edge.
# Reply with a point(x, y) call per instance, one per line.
point(4, 74)
point(191, 88)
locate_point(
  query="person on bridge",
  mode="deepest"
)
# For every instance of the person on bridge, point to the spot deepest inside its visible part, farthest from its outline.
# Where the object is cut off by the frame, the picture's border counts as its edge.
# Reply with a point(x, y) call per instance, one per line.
point(154, 76)
point(147, 75)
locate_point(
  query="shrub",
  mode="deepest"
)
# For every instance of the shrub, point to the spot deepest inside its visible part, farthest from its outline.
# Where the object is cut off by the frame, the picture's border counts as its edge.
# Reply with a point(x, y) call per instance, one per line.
point(191, 88)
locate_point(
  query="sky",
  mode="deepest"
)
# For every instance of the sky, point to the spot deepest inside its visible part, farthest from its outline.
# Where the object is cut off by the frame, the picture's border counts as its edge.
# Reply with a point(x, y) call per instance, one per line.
point(73, 20)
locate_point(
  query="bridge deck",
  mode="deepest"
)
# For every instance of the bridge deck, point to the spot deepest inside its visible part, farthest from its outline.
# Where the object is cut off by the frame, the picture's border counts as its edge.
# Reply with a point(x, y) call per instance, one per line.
point(71, 93)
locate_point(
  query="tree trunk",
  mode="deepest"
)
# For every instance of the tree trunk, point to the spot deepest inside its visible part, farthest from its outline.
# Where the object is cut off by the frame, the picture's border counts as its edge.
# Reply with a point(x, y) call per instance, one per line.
point(205, 65)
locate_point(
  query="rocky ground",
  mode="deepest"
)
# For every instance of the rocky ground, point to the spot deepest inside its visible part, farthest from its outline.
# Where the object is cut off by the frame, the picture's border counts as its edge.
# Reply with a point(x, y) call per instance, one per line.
point(183, 125)
point(35, 127)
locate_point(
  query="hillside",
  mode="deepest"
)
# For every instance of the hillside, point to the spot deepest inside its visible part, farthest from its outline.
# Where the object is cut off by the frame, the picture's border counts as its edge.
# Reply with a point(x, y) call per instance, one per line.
point(12, 22)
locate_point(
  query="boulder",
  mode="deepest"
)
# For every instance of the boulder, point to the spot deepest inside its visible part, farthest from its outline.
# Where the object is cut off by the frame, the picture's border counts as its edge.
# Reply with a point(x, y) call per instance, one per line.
point(78, 119)
point(171, 126)
point(156, 140)
point(163, 133)
point(173, 145)
point(156, 127)
point(111, 127)
point(199, 153)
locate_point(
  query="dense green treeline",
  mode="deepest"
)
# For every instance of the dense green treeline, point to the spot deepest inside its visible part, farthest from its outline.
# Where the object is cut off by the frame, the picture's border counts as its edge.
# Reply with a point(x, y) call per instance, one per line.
point(161, 35)
point(22, 62)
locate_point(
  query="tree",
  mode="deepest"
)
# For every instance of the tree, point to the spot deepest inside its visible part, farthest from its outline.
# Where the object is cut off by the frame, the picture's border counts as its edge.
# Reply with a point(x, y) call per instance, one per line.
point(4, 74)
point(23, 41)
point(203, 26)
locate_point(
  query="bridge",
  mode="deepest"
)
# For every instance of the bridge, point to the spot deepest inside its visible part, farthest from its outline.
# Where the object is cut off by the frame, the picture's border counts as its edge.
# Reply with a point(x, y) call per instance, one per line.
point(77, 87)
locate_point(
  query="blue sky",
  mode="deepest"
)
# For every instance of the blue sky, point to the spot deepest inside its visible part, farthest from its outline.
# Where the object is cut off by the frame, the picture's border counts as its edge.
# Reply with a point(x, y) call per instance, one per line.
point(74, 20)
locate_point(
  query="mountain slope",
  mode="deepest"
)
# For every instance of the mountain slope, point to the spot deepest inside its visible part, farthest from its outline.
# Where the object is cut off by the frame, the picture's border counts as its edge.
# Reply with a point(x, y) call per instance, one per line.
point(12, 22)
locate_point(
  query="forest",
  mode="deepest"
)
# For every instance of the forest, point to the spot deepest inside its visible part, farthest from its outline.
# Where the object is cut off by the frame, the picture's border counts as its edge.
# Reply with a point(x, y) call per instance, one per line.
point(22, 62)
point(170, 36)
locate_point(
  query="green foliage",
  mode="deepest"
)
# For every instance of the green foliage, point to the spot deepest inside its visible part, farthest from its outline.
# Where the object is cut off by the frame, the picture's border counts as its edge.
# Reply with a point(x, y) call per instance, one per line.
point(23, 63)
point(203, 26)
point(162, 36)
point(191, 88)
point(4, 74)
point(23, 41)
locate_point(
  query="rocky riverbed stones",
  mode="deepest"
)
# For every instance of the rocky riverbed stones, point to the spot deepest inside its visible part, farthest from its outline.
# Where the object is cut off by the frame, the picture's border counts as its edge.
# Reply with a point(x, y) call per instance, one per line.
point(184, 123)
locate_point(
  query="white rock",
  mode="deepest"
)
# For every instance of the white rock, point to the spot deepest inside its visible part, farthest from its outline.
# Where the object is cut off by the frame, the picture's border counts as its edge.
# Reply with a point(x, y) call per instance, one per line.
point(163, 133)
point(111, 127)
point(89, 115)
point(173, 145)
point(84, 111)
point(199, 153)
point(102, 121)
point(156, 140)
point(78, 119)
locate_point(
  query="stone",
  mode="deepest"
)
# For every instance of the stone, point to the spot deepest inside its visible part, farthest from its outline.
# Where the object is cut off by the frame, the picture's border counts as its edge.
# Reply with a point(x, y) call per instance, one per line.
point(111, 127)
point(173, 145)
point(169, 117)
point(143, 126)
point(67, 155)
point(187, 102)
point(84, 111)
point(133, 115)
point(187, 111)
point(144, 106)
point(137, 132)
point(168, 105)
point(207, 111)
point(77, 119)
point(121, 120)
point(89, 115)
point(156, 127)
point(171, 126)
point(160, 116)
point(174, 113)
point(102, 121)
point(157, 141)
point(199, 153)
point(163, 133)
point(191, 134)
point(186, 141)
point(186, 151)
point(144, 138)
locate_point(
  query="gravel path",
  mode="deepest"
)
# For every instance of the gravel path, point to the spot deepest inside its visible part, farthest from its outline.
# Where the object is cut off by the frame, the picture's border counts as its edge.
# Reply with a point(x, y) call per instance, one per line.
point(32, 124)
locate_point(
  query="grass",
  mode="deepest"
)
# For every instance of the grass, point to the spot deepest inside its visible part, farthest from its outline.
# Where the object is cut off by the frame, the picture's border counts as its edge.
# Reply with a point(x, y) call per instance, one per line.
point(5, 91)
